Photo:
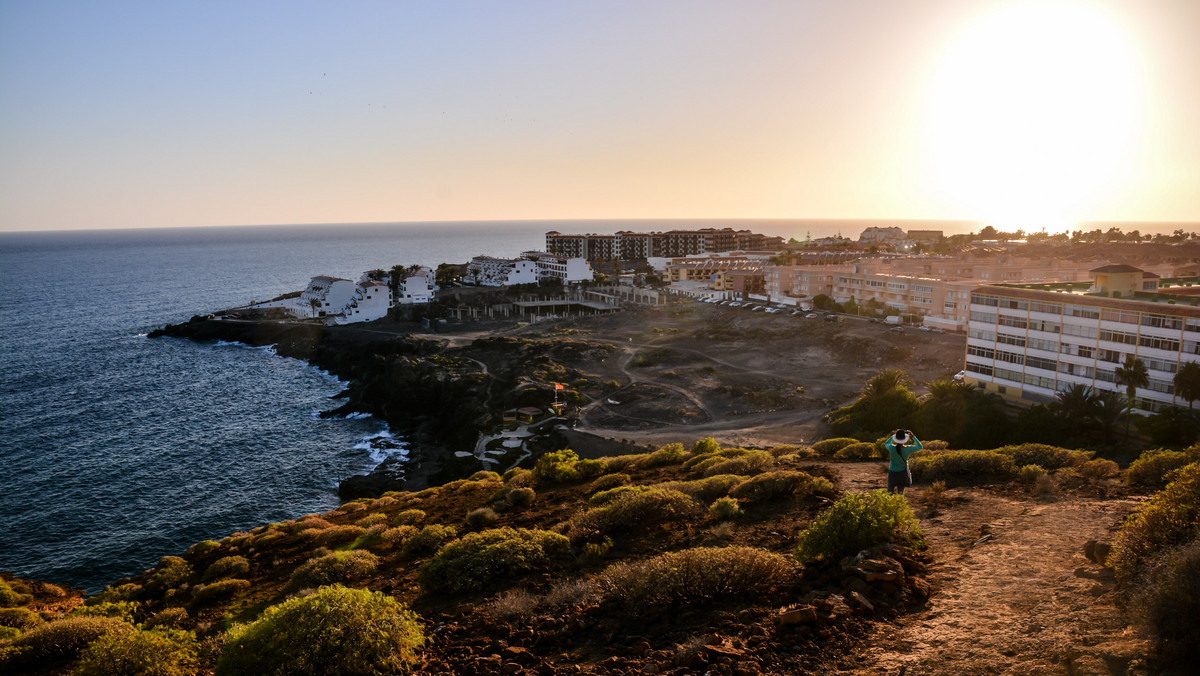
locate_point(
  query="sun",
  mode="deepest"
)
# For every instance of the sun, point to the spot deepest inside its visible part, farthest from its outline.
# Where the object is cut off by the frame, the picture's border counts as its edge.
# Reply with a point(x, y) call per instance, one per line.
point(1031, 116)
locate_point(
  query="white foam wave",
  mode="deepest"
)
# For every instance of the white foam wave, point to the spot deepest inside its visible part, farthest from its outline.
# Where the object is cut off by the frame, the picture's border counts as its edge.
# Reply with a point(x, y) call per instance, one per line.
point(382, 445)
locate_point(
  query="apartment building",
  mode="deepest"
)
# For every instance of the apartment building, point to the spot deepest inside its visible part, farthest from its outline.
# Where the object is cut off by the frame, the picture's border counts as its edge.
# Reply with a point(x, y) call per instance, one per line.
point(530, 268)
point(707, 269)
point(1028, 341)
point(627, 245)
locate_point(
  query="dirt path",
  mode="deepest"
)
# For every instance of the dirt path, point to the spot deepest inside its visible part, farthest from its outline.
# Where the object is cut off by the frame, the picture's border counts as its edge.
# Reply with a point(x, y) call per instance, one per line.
point(1015, 594)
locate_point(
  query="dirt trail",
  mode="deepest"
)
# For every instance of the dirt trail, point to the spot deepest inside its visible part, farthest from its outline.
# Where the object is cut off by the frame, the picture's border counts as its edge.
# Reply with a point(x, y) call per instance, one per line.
point(1015, 594)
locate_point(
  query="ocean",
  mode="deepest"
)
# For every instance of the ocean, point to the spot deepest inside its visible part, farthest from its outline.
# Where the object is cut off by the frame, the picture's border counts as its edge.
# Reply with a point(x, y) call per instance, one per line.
point(118, 449)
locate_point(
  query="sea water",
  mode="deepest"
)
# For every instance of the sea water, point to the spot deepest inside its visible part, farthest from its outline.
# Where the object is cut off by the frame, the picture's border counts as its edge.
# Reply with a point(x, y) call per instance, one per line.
point(118, 449)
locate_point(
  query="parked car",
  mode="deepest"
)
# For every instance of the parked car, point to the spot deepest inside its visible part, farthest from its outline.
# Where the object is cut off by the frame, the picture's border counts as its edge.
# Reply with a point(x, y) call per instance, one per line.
point(897, 329)
point(811, 315)
point(958, 377)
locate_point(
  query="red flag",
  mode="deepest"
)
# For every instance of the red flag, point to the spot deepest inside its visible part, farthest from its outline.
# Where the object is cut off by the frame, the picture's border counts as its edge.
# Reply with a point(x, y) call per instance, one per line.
point(558, 386)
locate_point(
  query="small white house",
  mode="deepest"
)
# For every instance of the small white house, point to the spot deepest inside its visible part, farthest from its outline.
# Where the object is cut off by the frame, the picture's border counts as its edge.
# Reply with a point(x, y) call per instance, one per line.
point(416, 287)
point(371, 301)
point(562, 268)
point(489, 271)
point(326, 296)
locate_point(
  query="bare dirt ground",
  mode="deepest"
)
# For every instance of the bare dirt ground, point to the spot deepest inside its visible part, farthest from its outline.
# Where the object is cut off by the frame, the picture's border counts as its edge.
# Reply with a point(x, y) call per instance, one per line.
point(1014, 592)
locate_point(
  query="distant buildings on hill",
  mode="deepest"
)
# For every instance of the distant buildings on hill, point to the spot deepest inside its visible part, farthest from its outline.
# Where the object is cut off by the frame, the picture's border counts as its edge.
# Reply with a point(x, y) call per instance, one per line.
point(532, 267)
point(627, 245)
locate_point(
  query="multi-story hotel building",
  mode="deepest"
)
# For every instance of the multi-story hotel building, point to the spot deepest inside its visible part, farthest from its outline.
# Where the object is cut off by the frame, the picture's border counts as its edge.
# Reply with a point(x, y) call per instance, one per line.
point(531, 268)
point(626, 245)
point(1028, 341)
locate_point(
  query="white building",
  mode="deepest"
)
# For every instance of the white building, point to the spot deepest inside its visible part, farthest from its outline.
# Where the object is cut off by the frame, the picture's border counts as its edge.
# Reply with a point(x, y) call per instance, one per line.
point(416, 287)
point(1028, 341)
point(371, 300)
point(326, 296)
point(490, 271)
point(563, 268)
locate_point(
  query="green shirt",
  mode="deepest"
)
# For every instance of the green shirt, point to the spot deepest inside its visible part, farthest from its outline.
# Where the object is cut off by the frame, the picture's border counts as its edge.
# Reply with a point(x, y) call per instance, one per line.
point(900, 455)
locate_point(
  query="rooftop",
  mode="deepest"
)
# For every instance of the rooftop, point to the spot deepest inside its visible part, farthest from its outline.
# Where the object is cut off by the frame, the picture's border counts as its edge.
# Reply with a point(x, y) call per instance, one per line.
point(1171, 291)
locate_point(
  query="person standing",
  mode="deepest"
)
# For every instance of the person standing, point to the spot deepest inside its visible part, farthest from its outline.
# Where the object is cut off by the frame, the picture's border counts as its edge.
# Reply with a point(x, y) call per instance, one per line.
point(901, 445)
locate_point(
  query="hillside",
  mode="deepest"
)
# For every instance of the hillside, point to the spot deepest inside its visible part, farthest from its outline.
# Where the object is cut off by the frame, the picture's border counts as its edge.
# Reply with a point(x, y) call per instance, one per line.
point(553, 571)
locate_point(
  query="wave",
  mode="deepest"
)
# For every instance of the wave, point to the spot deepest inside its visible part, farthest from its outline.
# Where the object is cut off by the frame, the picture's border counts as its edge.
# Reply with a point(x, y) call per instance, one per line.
point(382, 445)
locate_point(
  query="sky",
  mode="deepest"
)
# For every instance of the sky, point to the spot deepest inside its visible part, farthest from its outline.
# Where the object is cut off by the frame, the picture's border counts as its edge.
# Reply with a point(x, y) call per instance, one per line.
point(1027, 114)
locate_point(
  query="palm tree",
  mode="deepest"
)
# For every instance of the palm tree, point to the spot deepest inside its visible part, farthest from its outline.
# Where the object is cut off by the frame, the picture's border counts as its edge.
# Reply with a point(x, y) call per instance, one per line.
point(884, 382)
point(1132, 375)
point(1075, 406)
point(1107, 411)
point(1187, 382)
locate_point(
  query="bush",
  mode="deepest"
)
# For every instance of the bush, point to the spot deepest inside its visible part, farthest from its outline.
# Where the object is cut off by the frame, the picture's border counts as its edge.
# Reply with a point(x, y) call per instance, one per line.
point(706, 489)
point(334, 632)
point(409, 517)
point(724, 509)
point(481, 517)
point(219, 591)
point(167, 617)
point(858, 521)
point(428, 540)
point(157, 652)
point(478, 559)
point(372, 520)
point(750, 463)
point(518, 477)
point(609, 481)
point(10, 597)
point(621, 463)
point(1152, 467)
point(1045, 485)
point(398, 535)
point(338, 535)
point(861, 450)
point(774, 485)
point(20, 618)
point(705, 445)
point(797, 452)
point(589, 468)
point(671, 454)
point(484, 475)
point(519, 497)
point(1049, 457)
point(1099, 469)
point(125, 592)
point(170, 573)
point(961, 466)
point(698, 576)
point(557, 467)
point(605, 497)
point(1169, 518)
point(1168, 592)
point(1030, 473)
point(335, 567)
point(630, 511)
point(122, 610)
point(58, 642)
point(203, 547)
point(829, 447)
point(229, 565)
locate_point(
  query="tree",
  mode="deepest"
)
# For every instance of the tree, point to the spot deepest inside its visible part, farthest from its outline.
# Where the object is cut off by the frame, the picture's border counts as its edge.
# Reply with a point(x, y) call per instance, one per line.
point(1075, 407)
point(1107, 411)
point(1132, 375)
point(1187, 382)
point(963, 415)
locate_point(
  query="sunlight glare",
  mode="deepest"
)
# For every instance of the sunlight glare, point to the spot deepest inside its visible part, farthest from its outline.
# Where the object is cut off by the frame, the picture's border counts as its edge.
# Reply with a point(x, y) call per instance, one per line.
point(1032, 115)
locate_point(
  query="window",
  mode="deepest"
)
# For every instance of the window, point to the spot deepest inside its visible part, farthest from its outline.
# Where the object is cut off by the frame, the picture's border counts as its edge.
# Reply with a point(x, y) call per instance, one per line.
point(1081, 311)
point(1010, 340)
point(1162, 321)
point(1013, 304)
point(983, 369)
point(1160, 364)
point(1040, 363)
point(985, 352)
point(983, 334)
point(1015, 322)
point(1010, 357)
point(1159, 343)
point(1120, 316)
point(1007, 374)
point(1049, 308)
point(1043, 325)
point(980, 299)
point(1080, 331)
point(1119, 337)
point(1039, 381)
point(1044, 345)
point(983, 317)
point(1076, 369)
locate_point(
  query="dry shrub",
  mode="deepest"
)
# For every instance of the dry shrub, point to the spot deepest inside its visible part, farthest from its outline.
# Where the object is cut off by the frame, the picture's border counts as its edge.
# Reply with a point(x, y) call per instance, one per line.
point(1045, 486)
point(1030, 473)
point(167, 617)
point(1099, 469)
point(671, 454)
point(724, 509)
point(20, 618)
point(481, 517)
point(371, 520)
point(631, 510)
point(517, 477)
point(1152, 467)
point(828, 447)
point(398, 535)
point(1049, 457)
point(57, 642)
point(620, 463)
point(227, 566)
point(782, 483)
point(170, 573)
point(408, 517)
point(935, 494)
point(605, 497)
point(795, 452)
point(750, 463)
point(428, 540)
point(706, 489)
point(1168, 519)
point(484, 475)
point(216, 592)
point(338, 535)
point(519, 497)
point(335, 567)
point(203, 547)
point(309, 523)
point(863, 450)
point(157, 652)
point(589, 468)
point(428, 493)
point(476, 560)
point(1166, 593)
point(698, 576)
point(514, 603)
point(963, 466)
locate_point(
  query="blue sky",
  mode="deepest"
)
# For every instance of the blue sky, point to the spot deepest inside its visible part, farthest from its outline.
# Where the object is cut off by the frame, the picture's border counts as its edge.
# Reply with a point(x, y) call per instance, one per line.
point(136, 114)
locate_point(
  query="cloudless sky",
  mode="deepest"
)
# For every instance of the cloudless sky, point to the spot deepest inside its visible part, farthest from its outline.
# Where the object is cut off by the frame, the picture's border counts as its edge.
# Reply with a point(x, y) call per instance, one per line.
point(136, 114)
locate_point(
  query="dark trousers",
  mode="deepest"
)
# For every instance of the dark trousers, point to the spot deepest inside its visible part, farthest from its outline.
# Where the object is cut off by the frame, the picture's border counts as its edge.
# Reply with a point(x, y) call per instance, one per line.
point(898, 481)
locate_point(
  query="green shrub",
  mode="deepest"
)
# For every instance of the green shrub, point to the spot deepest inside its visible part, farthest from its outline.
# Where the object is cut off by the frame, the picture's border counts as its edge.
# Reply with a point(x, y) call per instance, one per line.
point(750, 463)
point(961, 466)
point(1152, 467)
point(481, 517)
point(1030, 473)
point(476, 560)
point(335, 567)
point(167, 617)
point(10, 597)
point(398, 535)
point(797, 452)
point(484, 475)
point(7, 634)
point(724, 509)
point(372, 520)
point(122, 610)
point(671, 454)
point(774, 485)
point(519, 497)
point(334, 632)
point(125, 592)
point(704, 462)
point(829, 447)
point(57, 642)
point(1168, 519)
point(170, 573)
point(338, 535)
point(605, 497)
point(428, 540)
point(157, 652)
point(699, 576)
point(706, 489)
point(705, 445)
point(1168, 592)
point(222, 590)
point(227, 566)
point(1049, 457)
point(203, 547)
point(409, 517)
point(20, 618)
point(621, 463)
point(557, 467)
point(857, 521)
point(862, 450)
point(589, 468)
point(1099, 469)
point(609, 481)
point(518, 477)
point(631, 510)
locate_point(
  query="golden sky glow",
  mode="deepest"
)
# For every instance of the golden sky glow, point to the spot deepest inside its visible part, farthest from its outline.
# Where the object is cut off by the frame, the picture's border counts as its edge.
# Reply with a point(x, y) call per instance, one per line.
point(1026, 114)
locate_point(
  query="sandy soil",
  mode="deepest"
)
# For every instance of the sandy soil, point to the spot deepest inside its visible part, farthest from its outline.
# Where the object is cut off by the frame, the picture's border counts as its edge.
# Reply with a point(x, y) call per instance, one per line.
point(1014, 592)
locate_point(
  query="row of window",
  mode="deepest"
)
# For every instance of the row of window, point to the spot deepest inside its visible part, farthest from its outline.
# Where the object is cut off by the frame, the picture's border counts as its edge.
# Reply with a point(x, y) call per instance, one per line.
point(1087, 312)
